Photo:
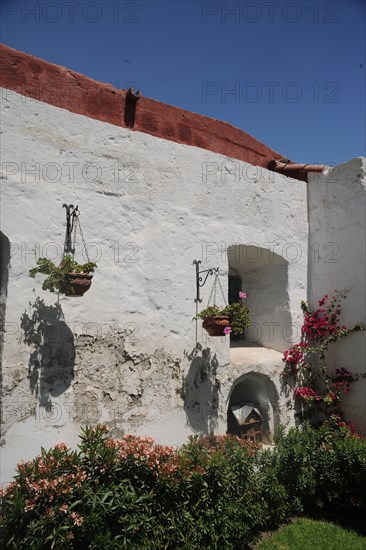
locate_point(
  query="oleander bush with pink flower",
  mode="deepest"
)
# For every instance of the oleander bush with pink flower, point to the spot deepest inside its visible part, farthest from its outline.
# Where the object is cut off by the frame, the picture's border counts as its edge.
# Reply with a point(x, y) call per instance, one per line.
point(214, 492)
point(133, 493)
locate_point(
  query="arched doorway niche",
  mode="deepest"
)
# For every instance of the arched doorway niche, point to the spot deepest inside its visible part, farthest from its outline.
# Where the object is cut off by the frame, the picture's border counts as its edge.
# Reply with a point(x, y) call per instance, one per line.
point(263, 275)
point(259, 391)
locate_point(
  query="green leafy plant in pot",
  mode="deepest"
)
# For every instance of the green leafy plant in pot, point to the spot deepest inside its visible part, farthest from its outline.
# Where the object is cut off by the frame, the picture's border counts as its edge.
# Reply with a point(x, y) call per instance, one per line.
point(69, 278)
point(233, 318)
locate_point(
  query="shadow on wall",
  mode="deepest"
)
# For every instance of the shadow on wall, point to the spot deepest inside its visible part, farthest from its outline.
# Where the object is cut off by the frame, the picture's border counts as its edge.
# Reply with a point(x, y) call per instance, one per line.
point(52, 361)
point(201, 390)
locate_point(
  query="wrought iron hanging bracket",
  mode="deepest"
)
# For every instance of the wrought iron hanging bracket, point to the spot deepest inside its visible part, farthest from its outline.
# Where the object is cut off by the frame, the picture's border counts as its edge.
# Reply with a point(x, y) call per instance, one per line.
point(71, 213)
point(200, 281)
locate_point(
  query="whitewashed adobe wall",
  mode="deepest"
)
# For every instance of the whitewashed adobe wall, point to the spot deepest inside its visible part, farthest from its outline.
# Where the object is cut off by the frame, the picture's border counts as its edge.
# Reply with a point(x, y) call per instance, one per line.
point(124, 353)
point(337, 259)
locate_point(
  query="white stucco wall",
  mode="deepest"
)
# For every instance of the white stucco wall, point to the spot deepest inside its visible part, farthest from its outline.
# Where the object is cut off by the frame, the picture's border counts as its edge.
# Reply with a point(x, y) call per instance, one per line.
point(337, 259)
point(149, 207)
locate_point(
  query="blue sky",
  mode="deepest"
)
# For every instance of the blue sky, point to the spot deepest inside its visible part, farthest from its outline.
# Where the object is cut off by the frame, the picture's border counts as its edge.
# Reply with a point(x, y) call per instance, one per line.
point(292, 74)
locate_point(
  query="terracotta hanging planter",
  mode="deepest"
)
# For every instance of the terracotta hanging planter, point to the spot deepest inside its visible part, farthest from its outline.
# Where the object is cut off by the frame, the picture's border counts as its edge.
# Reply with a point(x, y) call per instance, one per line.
point(216, 325)
point(79, 283)
point(69, 277)
point(218, 320)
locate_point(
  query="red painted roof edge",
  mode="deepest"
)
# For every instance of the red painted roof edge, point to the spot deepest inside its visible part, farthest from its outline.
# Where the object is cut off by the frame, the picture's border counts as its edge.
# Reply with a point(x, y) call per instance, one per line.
point(38, 79)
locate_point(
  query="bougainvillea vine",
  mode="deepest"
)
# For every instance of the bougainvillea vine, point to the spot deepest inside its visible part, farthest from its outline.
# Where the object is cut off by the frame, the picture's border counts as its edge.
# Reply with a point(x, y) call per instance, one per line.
point(317, 392)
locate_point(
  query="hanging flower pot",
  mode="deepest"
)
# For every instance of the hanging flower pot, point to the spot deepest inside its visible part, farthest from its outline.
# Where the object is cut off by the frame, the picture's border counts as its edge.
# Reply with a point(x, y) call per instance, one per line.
point(219, 321)
point(78, 284)
point(69, 277)
point(218, 325)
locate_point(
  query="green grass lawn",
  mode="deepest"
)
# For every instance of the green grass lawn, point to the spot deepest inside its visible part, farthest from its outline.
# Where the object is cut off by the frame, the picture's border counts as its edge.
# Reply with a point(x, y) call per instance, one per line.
point(307, 534)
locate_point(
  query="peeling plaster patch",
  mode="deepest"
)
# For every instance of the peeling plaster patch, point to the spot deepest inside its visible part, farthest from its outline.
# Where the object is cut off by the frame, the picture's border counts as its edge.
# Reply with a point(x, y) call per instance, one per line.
point(126, 387)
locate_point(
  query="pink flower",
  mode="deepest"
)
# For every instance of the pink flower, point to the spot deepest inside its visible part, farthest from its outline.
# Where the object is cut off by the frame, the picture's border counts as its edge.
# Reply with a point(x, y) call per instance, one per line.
point(62, 446)
point(78, 520)
point(242, 295)
point(227, 330)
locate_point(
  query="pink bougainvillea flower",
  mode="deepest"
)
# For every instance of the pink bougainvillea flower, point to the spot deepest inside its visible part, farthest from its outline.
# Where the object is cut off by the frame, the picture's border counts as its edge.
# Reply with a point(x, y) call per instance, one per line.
point(227, 330)
point(242, 294)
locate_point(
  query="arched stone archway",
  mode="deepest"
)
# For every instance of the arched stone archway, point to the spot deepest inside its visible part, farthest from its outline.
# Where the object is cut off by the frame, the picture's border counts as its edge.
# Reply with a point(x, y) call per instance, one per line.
point(259, 391)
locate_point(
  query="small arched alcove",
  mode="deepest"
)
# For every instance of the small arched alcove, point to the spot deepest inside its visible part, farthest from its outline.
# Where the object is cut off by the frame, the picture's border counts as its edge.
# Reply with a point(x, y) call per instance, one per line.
point(253, 391)
point(263, 276)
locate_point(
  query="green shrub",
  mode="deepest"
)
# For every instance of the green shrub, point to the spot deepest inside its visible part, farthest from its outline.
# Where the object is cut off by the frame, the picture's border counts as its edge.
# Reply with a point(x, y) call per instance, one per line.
point(323, 469)
point(212, 493)
point(132, 493)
